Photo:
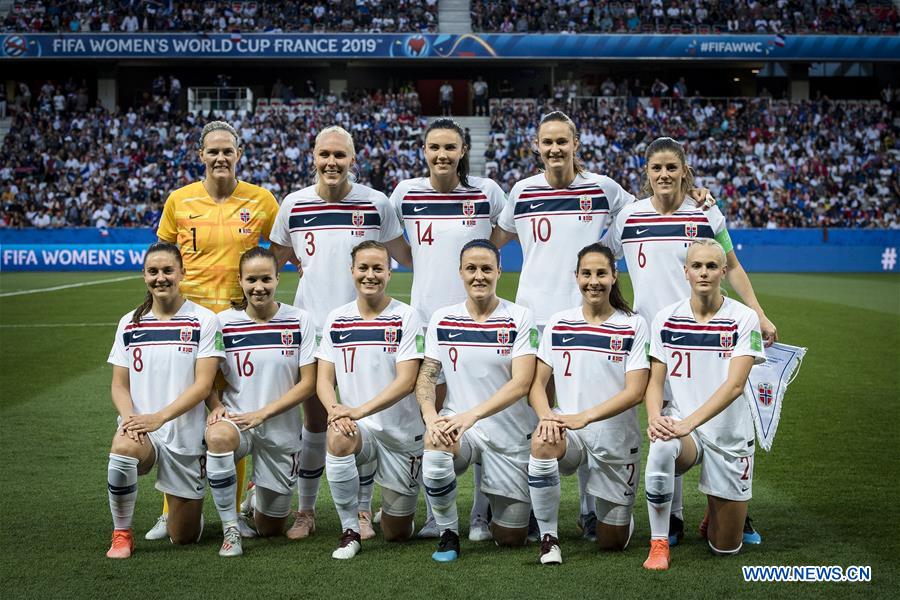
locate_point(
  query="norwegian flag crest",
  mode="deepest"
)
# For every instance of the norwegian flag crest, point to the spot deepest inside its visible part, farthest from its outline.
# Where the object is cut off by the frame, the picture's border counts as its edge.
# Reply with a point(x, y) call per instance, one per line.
point(468, 208)
point(390, 335)
point(358, 218)
point(690, 230)
point(186, 334)
point(726, 339)
point(615, 343)
point(245, 215)
point(287, 338)
point(766, 394)
point(503, 336)
point(586, 203)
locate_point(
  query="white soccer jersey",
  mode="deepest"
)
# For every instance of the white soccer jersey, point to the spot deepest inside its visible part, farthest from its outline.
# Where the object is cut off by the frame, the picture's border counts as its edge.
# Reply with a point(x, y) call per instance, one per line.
point(655, 247)
point(322, 235)
point(477, 360)
point(160, 357)
point(553, 225)
point(696, 358)
point(589, 364)
point(438, 226)
point(365, 356)
point(262, 363)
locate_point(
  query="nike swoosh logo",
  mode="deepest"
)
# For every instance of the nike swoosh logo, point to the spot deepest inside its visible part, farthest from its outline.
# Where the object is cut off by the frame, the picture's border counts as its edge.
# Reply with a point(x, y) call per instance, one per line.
point(641, 231)
point(194, 216)
point(238, 341)
point(309, 220)
point(629, 493)
point(453, 335)
point(744, 489)
point(675, 339)
point(135, 336)
point(419, 208)
point(201, 487)
point(534, 206)
point(344, 336)
point(567, 340)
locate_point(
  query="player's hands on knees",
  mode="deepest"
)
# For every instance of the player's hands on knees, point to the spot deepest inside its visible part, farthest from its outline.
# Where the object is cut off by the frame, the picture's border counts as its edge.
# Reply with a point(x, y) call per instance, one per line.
point(216, 415)
point(132, 435)
point(345, 426)
point(769, 331)
point(339, 411)
point(456, 425)
point(550, 430)
point(143, 423)
point(660, 428)
point(434, 429)
point(576, 421)
point(248, 420)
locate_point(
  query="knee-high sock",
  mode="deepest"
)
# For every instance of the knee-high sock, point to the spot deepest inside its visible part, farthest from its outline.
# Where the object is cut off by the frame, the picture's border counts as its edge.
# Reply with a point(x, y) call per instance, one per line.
point(440, 485)
point(678, 499)
point(659, 484)
point(343, 479)
point(479, 499)
point(220, 470)
point(586, 499)
point(121, 478)
point(366, 485)
point(312, 464)
point(543, 484)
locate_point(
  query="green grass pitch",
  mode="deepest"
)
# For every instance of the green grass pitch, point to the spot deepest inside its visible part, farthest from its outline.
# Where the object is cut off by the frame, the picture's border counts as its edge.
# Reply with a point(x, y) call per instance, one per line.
point(826, 494)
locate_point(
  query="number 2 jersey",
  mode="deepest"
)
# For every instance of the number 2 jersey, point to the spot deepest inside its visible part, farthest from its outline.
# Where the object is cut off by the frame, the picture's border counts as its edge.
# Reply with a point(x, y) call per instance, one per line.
point(160, 357)
point(589, 365)
point(365, 354)
point(553, 225)
point(477, 360)
point(697, 356)
point(263, 363)
point(438, 226)
point(322, 235)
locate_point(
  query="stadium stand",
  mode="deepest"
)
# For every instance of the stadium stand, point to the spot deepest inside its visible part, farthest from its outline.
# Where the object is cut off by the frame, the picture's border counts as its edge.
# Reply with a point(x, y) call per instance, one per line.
point(685, 16)
point(128, 16)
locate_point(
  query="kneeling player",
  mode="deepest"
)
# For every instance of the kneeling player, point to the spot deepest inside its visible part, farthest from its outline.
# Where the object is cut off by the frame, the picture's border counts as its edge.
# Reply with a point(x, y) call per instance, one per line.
point(597, 356)
point(486, 347)
point(164, 359)
point(269, 370)
point(704, 347)
point(372, 349)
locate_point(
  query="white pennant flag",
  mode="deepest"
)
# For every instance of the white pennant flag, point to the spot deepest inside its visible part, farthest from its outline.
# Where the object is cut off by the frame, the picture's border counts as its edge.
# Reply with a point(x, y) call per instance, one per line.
point(767, 385)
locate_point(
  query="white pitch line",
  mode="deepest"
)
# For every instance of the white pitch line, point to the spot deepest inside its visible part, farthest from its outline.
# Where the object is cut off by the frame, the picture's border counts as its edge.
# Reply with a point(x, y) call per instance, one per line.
point(28, 325)
point(67, 286)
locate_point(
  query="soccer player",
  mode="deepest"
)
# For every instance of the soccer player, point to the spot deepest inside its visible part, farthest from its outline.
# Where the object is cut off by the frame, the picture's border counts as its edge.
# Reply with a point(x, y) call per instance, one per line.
point(269, 370)
point(486, 347)
point(213, 222)
point(597, 353)
point(165, 356)
point(704, 347)
point(316, 228)
point(441, 213)
point(372, 348)
point(653, 235)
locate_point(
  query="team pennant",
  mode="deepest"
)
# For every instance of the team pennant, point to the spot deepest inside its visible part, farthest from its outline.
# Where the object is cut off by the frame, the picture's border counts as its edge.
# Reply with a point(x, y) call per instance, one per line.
point(767, 385)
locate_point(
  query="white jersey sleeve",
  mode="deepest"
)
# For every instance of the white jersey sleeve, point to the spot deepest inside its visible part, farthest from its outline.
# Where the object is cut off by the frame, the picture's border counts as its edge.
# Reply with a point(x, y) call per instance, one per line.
point(211, 345)
point(412, 342)
point(431, 340)
point(391, 228)
point(527, 342)
point(639, 356)
point(545, 353)
point(118, 355)
point(749, 341)
point(496, 197)
point(506, 221)
point(281, 231)
point(326, 348)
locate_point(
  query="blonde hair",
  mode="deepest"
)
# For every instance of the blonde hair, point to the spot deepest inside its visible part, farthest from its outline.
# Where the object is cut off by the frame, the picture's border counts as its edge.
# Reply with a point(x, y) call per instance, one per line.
point(561, 117)
point(219, 126)
point(336, 129)
point(667, 144)
point(708, 243)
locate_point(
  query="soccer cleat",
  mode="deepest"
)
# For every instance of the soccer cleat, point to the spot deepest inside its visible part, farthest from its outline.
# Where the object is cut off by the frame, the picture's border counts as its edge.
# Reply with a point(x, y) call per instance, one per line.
point(122, 544)
point(245, 526)
point(676, 530)
point(534, 532)
point(448, 547)
point(231, 543)
point(304, 525)
point(348, 547)
point(366, 531)
point(160, 530)
point(751, 536)
point(658, 560)
point(704, 525)
point(247, 502)
point(550, 552)
point(479, 530)
point(377, 518)
point(429, 530)
point(587, 525)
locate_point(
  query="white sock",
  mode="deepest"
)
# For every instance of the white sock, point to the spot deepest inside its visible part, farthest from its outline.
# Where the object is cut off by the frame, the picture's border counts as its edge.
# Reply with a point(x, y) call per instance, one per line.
point(366, 485)
point(121, 483)
point(659, 483)
point(587, 505)
point(312, 464)
point(543, 484)
point(222, 476)
point(480, 501)
point(343, 479)
point(678, 499)
point(440, 485)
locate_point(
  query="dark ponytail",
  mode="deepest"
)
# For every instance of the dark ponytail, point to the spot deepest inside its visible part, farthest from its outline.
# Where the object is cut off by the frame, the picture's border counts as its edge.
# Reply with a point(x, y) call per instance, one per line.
point(462, 168)
point(145, 306)
point(616, 299)
point(257, 252)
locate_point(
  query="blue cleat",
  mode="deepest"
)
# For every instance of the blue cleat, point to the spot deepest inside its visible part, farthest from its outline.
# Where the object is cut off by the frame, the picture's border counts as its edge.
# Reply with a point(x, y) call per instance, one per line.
point(448, 547)
point(587, 524)
point(676, 530)
point(751, 536)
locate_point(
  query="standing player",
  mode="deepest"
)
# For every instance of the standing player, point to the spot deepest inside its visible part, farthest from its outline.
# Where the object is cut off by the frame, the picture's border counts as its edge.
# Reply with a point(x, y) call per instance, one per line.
point(269, 369)
point(597, 353)
point(372, 348)
point(654, 235)
point(486, 347)
point(703, 347)
point(441, 213)
point(213, 222)
point(164, 359)
point(316, 228)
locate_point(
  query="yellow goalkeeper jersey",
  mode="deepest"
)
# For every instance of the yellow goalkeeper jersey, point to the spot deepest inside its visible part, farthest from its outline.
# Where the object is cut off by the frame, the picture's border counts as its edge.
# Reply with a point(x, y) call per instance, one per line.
point(213, 236)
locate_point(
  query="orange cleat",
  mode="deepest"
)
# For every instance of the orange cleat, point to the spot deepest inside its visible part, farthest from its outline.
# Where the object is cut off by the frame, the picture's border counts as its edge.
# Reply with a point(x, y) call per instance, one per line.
point(122, 544)
point(658, 560)
point(304, 525)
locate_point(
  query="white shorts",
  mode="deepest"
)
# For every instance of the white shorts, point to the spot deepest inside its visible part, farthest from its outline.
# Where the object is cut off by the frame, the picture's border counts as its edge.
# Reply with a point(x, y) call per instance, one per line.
point(180, 475)
point(724, 475)
point(399, 470)
point(503, 473)
point(616, 483)
point(274, 468)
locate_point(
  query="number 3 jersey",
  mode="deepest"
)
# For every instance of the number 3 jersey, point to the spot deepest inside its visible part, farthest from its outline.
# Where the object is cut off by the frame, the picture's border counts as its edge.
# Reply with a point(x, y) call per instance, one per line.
point(697, 357)
point(322, 235)
point(365, 354)
point(438, 226)
point(160, 357)
point(553, 225)
point(477, 360)
point(589, 365)
point(262, 363)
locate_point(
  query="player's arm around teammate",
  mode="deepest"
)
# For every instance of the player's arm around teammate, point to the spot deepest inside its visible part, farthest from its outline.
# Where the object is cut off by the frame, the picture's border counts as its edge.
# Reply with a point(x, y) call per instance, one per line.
point(164, 359)
point(269, 370)
point(704, 347)
point(597, 355)
point(371, 349)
